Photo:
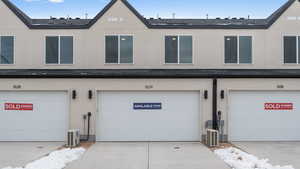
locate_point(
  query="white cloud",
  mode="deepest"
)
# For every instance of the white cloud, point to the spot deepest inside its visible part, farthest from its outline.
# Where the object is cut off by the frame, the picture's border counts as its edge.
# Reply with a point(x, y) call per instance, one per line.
point(56, 1)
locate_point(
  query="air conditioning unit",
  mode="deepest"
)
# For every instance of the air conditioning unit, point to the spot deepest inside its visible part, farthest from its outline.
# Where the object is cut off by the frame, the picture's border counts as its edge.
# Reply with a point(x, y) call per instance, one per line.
point(212, 138)
point(73, 138)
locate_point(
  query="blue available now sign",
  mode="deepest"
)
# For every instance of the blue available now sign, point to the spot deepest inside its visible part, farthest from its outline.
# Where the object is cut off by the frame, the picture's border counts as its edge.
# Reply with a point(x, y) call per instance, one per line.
point(147, 106)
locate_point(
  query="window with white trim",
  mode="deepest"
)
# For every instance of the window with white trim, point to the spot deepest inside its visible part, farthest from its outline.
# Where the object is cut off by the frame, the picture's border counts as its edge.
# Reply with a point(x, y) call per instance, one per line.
point(6, 49)
point(178, 49)
point(59, 50)
point(119, 49)
point(291, 49)
point(238, 49)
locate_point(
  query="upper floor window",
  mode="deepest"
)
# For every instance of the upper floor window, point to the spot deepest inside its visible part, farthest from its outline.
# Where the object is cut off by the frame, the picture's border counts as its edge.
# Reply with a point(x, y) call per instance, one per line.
point(119, 49)
point(7, 49)
point(291, 49)
point(238, 49)
point(178, 49)
point(59, 50)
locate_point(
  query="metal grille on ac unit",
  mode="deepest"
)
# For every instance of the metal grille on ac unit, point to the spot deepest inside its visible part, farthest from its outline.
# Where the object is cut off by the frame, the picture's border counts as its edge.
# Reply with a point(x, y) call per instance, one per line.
point(73, 138)
point(212, 138)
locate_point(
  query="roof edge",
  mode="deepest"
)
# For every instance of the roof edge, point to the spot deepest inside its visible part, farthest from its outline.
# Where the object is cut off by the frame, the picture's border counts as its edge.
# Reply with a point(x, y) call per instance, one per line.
point(278, 13)
point(18, 12)
point(110, 4)
point(101, 13)
point(149, 73)
point(28, 21)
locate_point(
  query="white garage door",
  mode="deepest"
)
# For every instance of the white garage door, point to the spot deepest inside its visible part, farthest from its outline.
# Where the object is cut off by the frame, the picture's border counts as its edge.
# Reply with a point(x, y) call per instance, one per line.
point(33, 116)
point(264, 116)
point(149, 116)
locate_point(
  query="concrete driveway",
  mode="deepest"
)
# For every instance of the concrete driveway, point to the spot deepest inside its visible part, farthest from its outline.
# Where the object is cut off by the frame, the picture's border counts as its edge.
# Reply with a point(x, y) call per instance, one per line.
point(148, 156)
point(279, 153)
point(18, 154)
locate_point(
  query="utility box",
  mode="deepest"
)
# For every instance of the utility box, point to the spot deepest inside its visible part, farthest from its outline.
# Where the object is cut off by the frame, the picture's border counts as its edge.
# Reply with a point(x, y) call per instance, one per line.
point(73, 138)
point(212, 138)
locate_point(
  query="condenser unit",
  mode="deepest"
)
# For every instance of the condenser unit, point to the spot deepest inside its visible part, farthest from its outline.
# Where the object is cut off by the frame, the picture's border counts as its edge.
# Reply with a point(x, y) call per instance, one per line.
point(212, 138)
point(73, 138)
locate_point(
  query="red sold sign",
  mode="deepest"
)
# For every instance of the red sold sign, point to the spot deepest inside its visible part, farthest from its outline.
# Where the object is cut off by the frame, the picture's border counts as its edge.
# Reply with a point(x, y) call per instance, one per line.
point(18, 106)
point(279, 106)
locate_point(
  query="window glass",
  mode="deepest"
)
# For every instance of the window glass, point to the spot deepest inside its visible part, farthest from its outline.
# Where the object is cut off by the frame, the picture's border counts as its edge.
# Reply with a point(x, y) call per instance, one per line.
point(7, 50)
point(52, 50)
point(111, 49)
point(231, 49)
point(126, 49)
point(290, 49)
point(171, 49)
point(245, 49)
point(66, 49)
point(186, 49)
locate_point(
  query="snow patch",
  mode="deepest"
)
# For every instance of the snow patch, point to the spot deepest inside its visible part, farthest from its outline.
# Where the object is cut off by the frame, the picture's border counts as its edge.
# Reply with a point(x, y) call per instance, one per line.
point(55, 160)
point(238, 159)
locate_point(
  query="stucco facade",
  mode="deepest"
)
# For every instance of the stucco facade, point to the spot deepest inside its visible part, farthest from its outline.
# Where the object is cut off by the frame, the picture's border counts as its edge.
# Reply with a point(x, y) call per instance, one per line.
point(148, 53)
point(208, 51)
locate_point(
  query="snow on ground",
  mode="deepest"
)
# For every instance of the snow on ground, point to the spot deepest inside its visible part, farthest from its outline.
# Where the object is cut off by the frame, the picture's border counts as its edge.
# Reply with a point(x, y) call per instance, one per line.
point(238, 159)
point(55, 160)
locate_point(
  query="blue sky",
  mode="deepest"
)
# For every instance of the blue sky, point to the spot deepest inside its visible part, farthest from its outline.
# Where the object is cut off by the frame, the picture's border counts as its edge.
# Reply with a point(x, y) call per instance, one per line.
point(151, 8)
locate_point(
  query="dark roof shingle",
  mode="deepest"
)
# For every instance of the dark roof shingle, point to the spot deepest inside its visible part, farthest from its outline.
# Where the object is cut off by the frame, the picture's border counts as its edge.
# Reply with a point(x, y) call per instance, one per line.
point(152, 23)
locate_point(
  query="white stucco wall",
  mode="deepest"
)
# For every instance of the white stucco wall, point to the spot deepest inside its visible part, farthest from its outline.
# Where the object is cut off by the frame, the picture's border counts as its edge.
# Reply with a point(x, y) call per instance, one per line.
point(89, 47)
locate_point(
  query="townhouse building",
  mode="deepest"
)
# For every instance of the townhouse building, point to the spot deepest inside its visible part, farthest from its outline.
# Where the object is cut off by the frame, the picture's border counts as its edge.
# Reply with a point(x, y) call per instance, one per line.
point(149, 79)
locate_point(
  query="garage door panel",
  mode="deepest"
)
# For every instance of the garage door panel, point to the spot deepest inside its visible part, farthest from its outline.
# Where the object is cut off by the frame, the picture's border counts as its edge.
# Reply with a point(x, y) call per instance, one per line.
point(47, 121)
point(176, 121)
point(250, 121)
point(35, 135)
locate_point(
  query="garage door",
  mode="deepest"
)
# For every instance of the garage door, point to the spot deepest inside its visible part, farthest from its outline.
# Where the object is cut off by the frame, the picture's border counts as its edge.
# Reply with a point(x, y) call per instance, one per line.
point(264, 116)
point(149, 116)
point(33, 116)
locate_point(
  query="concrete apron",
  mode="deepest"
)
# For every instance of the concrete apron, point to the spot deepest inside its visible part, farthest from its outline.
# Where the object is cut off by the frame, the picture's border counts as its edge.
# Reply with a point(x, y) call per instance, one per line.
point(148, 156)
point(18, 154)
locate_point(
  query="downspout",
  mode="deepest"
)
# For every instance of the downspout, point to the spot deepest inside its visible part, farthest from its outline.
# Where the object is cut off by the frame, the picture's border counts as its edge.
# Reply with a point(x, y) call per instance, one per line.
point(89, 114)
point(214, 104)
point(89, 121)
